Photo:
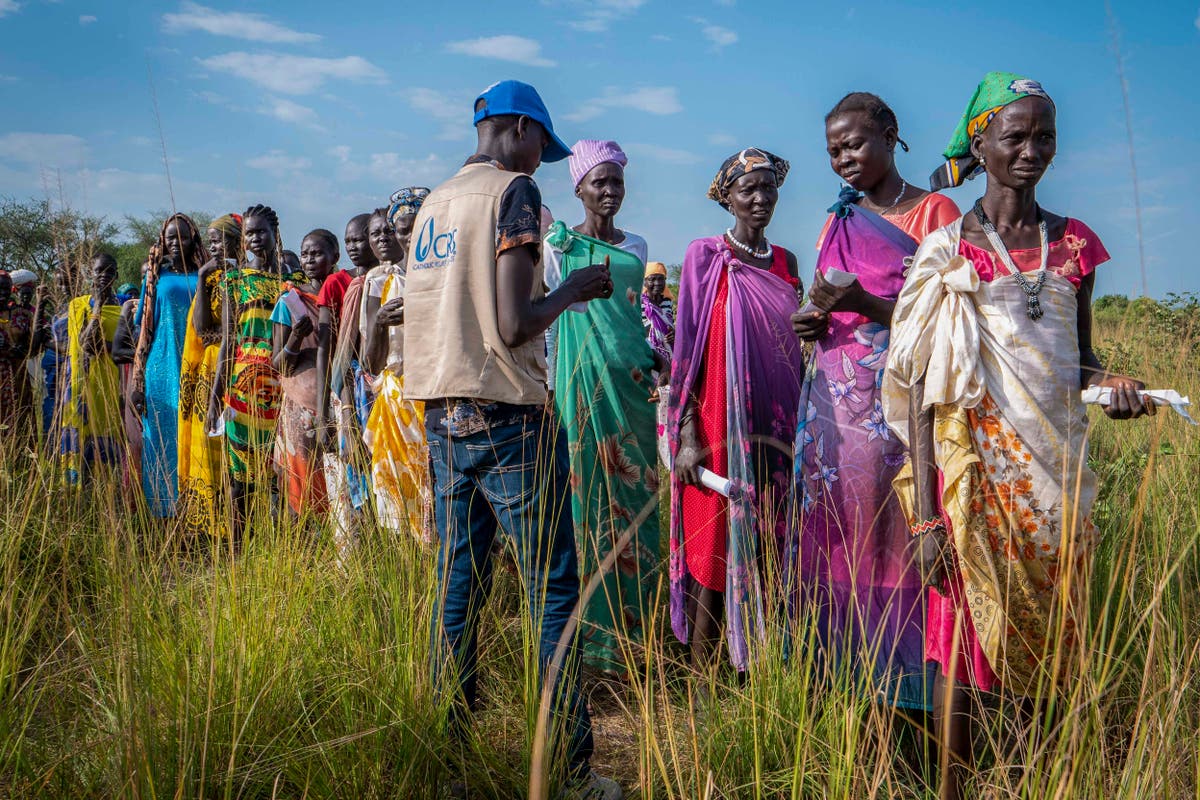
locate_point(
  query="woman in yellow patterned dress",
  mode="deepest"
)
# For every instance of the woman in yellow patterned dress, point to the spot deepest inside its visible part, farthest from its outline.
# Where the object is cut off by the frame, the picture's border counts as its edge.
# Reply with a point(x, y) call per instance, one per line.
point(202, 457)
point(395, 432)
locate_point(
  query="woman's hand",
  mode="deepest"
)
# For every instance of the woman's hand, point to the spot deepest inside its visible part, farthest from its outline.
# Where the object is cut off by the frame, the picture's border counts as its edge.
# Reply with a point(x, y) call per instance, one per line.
point(137, 399)
point(687, 464)
point(390, 314)
point(828, 297)
point(1126, 403)
point(210, 266)
point(687, 460)
point(91, 338)
point(810, 325)
point(301, 330)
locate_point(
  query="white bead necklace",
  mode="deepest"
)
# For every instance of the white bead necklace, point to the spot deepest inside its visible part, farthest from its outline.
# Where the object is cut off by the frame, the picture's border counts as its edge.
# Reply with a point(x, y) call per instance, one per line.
point(747, 249)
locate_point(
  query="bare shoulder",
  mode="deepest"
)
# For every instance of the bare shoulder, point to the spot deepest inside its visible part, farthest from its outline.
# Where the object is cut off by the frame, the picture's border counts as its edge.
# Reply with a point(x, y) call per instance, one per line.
point(793, 264)
point(1056, 225)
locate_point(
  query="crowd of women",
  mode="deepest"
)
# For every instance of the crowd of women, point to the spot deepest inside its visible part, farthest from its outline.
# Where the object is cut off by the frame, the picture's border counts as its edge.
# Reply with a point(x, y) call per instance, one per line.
point(900, 461)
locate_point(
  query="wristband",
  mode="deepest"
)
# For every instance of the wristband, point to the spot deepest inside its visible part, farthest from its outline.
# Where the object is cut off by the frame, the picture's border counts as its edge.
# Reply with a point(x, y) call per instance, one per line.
point(927, 526)
point(290, 351)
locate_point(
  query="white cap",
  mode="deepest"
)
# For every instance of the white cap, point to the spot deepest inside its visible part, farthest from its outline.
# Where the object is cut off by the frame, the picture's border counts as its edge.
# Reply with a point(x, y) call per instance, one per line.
point(21, 277)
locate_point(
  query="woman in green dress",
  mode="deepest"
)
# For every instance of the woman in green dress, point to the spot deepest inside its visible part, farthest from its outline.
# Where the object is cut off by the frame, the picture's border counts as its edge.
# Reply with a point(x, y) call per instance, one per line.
point(249, 380)
point(602, 388)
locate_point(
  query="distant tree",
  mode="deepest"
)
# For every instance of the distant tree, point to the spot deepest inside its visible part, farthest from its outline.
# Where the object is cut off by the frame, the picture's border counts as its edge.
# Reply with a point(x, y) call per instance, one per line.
point(144, 229)
point(141, 232)
point(1116, 303)
point(673, 273)
point(38, 237)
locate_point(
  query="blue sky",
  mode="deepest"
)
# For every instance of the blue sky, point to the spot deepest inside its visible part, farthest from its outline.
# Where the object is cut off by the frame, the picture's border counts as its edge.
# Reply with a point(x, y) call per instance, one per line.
point(322, 109)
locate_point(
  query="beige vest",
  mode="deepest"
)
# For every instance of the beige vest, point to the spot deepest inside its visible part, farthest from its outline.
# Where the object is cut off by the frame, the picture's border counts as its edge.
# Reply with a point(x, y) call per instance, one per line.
point(452, 344)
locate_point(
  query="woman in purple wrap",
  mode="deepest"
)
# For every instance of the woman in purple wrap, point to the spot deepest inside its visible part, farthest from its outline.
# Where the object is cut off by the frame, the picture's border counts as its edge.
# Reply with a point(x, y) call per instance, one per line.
point(857, 575)
point(735, 385)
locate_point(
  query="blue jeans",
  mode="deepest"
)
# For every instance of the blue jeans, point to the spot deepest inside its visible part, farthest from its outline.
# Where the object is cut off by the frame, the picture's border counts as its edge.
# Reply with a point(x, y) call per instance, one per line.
point(511, 477)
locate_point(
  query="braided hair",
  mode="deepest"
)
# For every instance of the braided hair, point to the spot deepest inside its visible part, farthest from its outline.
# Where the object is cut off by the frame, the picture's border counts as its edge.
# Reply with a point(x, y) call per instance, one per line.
point(879, 112)
point(267, 213)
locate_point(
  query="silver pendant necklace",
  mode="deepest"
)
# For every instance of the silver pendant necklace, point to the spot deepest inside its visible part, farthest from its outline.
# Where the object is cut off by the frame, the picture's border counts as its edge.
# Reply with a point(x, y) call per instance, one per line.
point(745, 248)
point(903, 189)
point(1033, 304)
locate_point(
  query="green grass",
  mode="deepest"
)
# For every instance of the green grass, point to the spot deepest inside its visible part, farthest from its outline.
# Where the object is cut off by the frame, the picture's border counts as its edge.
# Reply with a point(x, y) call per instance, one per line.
point(131, 669)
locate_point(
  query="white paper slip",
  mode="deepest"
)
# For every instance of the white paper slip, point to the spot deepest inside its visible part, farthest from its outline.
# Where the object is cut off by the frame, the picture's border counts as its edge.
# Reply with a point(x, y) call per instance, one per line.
point(1102, 396)
point(839, 278)
point(218, 430)
point(711, 480)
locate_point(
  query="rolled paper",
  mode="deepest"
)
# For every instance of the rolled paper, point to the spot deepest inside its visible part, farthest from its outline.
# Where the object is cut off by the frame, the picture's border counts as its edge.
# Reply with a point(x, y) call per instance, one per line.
point(713, 481)
point(839, 278)
point(1102, 396)
point(708, 479)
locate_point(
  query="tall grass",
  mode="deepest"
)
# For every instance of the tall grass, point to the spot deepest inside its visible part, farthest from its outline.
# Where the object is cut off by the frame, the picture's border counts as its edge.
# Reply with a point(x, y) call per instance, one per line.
point(132, 667)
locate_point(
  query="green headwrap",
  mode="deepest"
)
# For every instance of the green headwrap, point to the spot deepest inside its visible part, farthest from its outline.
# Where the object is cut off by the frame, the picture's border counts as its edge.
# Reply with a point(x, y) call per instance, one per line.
point(994, 92)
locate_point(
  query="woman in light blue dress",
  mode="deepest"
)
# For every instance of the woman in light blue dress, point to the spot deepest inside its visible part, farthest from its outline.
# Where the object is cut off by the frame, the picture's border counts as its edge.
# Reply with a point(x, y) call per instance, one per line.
point(162, 315)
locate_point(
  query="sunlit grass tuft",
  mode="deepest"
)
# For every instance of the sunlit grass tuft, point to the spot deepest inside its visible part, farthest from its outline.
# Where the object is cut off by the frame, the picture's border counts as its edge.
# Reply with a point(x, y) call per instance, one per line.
point(132, 667)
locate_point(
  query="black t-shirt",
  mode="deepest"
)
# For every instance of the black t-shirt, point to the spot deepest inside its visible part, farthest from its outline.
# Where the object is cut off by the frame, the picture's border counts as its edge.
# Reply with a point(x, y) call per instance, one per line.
point(520, 218)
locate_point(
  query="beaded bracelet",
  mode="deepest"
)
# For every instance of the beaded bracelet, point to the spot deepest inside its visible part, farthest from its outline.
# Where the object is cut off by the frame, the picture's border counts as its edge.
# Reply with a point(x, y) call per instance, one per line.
point(927, 526)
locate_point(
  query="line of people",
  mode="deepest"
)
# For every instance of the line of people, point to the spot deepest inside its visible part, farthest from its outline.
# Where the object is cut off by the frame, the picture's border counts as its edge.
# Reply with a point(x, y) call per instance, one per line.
point(903, 456)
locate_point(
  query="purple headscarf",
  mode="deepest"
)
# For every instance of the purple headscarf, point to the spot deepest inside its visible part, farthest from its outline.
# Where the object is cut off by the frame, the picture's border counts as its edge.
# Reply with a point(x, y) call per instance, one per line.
point(587, 154)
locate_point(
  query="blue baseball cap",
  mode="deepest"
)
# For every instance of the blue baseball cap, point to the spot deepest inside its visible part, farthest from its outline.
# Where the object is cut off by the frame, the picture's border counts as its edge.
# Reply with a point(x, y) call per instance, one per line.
point(521, 99)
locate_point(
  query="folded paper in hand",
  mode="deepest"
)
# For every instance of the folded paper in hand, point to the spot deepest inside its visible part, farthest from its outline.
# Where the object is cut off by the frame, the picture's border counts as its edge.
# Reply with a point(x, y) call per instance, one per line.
point(839, 278)
point(1102, 395)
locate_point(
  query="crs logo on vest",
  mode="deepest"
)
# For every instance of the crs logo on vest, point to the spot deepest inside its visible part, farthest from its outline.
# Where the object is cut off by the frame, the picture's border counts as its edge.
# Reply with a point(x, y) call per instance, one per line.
point(434, 249)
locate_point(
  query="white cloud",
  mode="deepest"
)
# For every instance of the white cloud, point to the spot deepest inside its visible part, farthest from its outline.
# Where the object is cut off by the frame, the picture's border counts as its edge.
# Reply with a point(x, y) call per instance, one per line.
point(721, 139)
point(452, 111)
point(599, 15)
point(278, 162)
point(86, 19)
point(44, 149)
point(389, 169)
point(281, 108)
point(235, 24)
point(286, 110)
point(9, 7)
point(718, 36)
point(668, 155)
point(661, 100)
point(289, 74)
point(8, 79)
point(516, 49)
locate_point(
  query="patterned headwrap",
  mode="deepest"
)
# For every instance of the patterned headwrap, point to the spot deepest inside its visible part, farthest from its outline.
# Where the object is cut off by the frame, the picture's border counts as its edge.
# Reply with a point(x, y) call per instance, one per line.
point(994, 92)
point(406, 201)
point(655, 268)
point(228, 225)
point(738, 165)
